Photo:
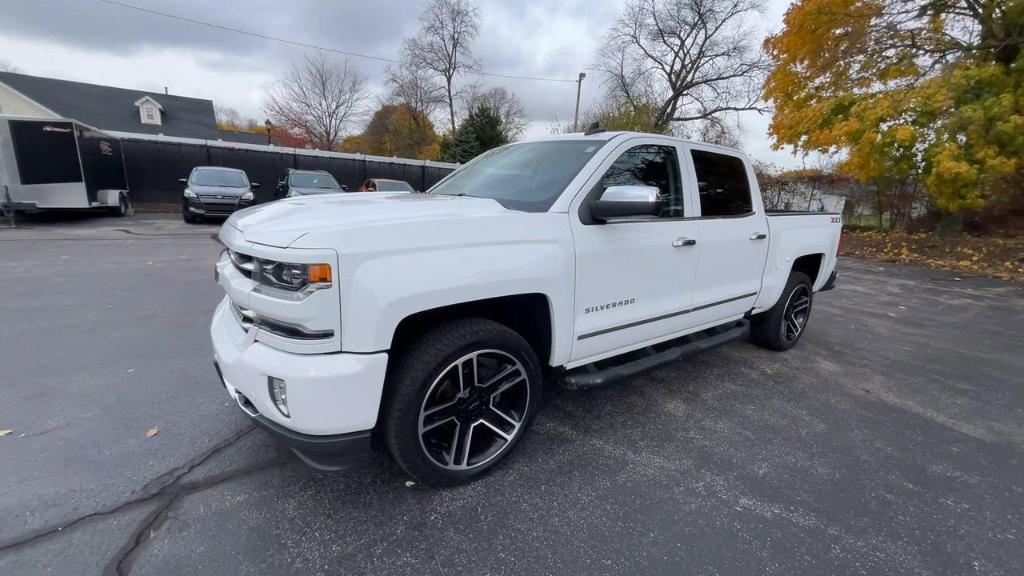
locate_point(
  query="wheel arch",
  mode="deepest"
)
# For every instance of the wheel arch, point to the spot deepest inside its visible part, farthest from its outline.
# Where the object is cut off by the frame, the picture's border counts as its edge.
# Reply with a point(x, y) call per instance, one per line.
point(809, 264)
point(530, 315)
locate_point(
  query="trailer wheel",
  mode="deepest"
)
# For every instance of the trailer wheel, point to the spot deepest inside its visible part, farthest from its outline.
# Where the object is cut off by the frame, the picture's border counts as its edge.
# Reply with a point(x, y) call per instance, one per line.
point(122, 207)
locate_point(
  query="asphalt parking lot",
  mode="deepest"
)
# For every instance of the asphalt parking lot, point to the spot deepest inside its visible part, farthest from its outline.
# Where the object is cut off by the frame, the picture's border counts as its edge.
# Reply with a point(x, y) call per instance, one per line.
point(890, 441)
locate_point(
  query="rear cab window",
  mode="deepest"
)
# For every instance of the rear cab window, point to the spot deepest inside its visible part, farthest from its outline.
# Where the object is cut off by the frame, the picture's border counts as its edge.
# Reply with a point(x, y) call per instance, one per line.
point(722, 184)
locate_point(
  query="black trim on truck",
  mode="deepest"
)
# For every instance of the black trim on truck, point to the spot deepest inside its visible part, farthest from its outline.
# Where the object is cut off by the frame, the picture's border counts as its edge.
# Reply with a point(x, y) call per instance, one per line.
point(334, 452)
point(662, 317)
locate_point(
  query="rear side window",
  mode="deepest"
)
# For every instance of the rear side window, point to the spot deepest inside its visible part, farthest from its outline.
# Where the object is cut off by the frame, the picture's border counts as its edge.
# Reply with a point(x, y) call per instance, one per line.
point(722, 184)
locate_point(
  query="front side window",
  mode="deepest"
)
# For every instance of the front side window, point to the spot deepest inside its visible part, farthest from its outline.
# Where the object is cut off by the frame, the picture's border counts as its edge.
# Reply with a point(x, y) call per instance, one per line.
point(722, 184)
point(528, 176)
point(227, 178)
point(649, 165)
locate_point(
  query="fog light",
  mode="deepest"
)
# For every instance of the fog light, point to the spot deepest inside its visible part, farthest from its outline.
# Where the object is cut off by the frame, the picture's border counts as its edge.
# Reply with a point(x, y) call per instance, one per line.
point(279, 394)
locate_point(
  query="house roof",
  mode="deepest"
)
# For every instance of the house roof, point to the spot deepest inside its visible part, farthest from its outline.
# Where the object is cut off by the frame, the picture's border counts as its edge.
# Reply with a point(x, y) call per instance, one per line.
point(246, 137)
point(109, 108)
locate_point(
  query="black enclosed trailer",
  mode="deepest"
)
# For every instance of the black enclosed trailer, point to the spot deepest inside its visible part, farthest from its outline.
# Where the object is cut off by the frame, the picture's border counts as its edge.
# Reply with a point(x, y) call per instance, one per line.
point(60, 163)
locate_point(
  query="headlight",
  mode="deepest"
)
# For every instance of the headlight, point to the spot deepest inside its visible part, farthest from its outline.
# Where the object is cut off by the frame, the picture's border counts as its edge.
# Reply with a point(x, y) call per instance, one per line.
point(190, 194)
point(248, 196)
point(302, 278)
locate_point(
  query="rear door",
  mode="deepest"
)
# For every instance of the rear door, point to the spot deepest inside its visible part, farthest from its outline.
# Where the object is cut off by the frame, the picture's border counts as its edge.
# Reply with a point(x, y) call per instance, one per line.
point(633, 276)
point(733, 235)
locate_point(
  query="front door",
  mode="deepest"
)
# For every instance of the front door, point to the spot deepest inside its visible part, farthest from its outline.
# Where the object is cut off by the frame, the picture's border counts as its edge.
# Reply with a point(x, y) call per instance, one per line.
point(633, 276)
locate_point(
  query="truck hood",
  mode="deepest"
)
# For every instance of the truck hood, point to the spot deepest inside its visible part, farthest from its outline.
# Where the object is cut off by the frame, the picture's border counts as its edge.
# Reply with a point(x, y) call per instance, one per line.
point(283, 222)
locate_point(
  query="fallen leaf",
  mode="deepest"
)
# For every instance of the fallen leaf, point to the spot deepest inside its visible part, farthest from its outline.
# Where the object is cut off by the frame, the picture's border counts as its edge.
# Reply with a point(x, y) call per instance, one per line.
point(152, 431)
point(409, 483)
point(902, 307)
point(5, 432)
point(768, 370)
point(131, 369)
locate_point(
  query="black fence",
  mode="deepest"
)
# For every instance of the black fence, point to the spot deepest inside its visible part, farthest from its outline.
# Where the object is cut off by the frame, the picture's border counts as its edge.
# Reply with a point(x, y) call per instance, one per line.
point(154, 167)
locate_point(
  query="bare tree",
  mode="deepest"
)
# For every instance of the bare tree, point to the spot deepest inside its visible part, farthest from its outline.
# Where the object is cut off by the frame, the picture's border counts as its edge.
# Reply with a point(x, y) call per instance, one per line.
point(443, 44)
point(687, 59)
point(6, 66)
point(414, 88)
point(506, 106)
point(320, 100)
point(227, 116)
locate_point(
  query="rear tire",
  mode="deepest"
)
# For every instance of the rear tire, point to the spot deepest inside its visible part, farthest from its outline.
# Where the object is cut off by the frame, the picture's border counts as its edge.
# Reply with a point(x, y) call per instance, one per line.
point(781, 326)
point(459, 398)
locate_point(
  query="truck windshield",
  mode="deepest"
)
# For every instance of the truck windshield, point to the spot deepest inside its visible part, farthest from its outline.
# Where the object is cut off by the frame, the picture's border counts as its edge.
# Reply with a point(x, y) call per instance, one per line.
point(527, 177)
point(228, 178)
point(313, 180)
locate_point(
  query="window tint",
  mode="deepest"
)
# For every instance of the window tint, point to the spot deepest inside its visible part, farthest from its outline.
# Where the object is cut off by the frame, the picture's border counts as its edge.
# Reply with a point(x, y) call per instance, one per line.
point(394, 186)
point(229, 178)
point(649, 165)
point(313, 180)
point(722, 184)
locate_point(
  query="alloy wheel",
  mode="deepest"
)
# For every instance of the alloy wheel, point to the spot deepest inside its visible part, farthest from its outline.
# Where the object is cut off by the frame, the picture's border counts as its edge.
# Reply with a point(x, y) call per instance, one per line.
point(798, 309)
point(474, 409)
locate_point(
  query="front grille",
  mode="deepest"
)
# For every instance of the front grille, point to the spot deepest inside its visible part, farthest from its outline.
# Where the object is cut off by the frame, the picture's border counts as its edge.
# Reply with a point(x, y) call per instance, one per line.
point(220, 198)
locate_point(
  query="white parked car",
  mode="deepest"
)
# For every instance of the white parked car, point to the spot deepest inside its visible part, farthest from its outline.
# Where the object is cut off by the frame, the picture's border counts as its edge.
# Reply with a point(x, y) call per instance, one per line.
point(431, 322)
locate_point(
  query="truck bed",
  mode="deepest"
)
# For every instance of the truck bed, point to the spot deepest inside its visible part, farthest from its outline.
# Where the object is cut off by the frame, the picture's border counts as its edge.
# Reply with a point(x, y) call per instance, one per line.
point(798, 213)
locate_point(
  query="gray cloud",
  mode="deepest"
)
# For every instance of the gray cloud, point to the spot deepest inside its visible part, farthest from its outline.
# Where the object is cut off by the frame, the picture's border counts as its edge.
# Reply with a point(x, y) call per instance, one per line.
point(92, 41)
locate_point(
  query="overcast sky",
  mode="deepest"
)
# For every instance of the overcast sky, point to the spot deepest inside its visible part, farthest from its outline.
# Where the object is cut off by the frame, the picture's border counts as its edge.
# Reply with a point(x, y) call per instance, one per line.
point(90, 41)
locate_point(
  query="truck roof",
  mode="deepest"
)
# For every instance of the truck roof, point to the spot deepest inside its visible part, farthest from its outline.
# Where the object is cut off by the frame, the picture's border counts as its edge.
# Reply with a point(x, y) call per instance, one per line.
point(606, 136)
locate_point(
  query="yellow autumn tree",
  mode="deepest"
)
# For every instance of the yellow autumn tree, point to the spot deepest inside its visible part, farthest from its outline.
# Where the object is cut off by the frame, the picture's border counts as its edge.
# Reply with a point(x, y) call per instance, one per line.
point(907, 89)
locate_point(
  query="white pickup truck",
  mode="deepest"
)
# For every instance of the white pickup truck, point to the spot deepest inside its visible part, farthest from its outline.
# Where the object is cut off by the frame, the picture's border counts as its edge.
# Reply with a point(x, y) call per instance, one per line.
point(429, 323)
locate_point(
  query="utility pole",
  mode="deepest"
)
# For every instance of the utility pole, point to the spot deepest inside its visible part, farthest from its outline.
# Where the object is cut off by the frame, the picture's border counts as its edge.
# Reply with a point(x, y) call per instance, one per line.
point(576, 117)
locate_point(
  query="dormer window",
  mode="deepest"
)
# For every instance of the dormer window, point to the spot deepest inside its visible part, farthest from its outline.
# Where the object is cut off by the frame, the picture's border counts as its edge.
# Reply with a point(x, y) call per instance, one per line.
point(150, 110)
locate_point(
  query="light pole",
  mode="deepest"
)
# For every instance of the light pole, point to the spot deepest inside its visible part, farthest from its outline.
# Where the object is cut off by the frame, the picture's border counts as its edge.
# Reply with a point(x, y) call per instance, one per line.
point(267, 124)
point(576, 117)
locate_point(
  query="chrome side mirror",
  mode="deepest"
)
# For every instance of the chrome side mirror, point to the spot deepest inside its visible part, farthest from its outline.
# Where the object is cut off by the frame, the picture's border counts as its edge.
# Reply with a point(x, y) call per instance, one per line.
point(626, 201)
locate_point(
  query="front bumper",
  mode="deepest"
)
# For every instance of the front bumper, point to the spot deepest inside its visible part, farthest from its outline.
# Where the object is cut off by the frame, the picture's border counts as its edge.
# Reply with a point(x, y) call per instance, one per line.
point(333, 399)
point(202, 207)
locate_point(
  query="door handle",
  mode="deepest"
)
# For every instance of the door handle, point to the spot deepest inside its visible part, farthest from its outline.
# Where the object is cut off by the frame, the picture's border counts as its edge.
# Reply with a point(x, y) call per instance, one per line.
point(758, 236)
point(684, 242)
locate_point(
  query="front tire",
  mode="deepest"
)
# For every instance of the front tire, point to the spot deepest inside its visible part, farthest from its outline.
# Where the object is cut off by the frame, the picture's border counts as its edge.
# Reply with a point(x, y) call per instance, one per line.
point(781, 326)
point(188, 217)
point(460, 397)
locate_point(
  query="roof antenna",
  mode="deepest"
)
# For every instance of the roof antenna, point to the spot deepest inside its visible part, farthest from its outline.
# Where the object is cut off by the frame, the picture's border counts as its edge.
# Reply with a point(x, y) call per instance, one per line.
point(595, 128)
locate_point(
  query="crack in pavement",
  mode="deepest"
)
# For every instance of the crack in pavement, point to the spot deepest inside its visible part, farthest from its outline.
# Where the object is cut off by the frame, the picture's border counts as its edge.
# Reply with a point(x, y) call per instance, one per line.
point(168, 497)
point(153, 490)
